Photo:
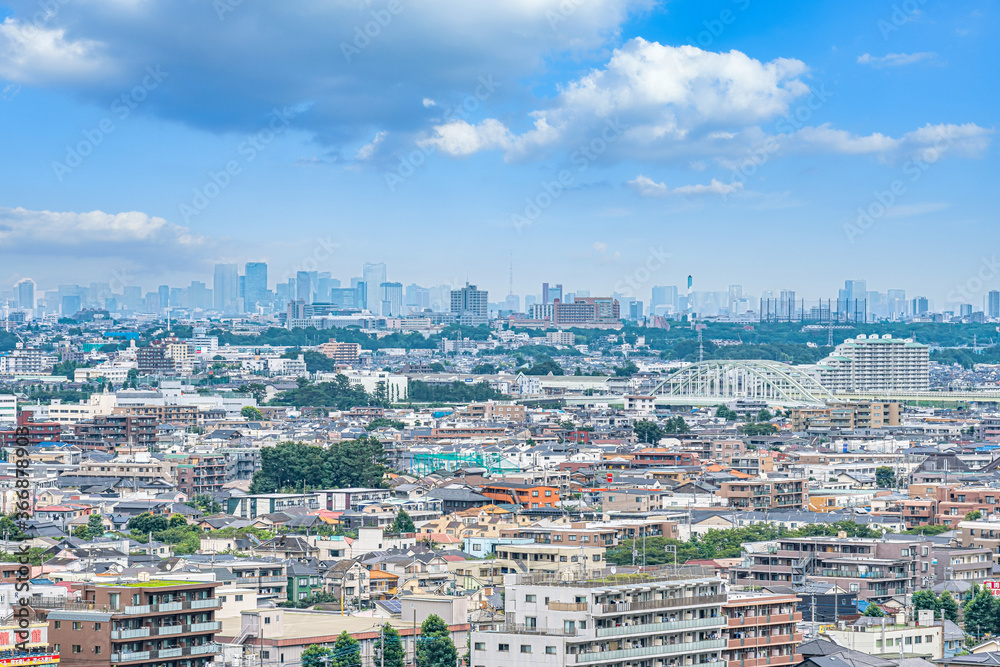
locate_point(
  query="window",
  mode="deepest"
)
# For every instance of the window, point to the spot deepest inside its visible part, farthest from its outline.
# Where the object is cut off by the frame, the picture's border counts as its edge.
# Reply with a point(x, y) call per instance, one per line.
point(267, 620)
point(525, 648)
point(222, 598)
point(77, 625)
point(572, 538)
point(583, 625)
point(503, 648)
point(569, 626)
point(548, 494)
point(530, 598)
point(534, 494)
point(550, 650)
point(97, 626)
point(855, 588)
point(239, 598)
point(919, 640)
point(480, 646)
point(58, 624)
point(77, 649)
point(266, 655)
point(56, 647)
point(97, 650)
point(530, 622)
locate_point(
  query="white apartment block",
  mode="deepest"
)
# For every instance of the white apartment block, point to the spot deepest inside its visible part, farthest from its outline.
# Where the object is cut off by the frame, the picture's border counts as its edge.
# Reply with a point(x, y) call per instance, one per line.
point(661, 619)
point(875, 363)
point(560, 338)
point(8, 408)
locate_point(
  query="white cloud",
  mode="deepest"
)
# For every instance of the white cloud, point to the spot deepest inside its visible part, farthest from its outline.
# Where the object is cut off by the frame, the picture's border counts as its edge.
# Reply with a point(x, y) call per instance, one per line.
point(658, 95)
point(895, 59)
point(36, 54)
point(930, 142)
point(369, 149)
point(647, 187)
point(95, 233)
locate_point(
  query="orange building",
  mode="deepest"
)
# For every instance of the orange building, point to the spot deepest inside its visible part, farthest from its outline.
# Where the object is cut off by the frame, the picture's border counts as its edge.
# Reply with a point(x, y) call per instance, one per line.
point(522, 494)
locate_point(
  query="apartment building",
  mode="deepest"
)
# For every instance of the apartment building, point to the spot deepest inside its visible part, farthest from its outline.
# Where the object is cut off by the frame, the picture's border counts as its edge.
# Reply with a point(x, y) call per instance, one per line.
point(8, 408)
point(586, 311)
point(139, 466)
point(761, 629)
point(494, 412)
point(581, 559)
point(660, 619)
point(142, 624)
point(874, 569)
point(575, 534)
point(982, 534)
point(974, 564)
point(770, 494)
point(112, 431)
point(883, 636)
point(875, 363)
point(201, 474)
point(634, 500)
point(183, 416)
point(720, 451)
point(340, 353)
point(848, 416)
point(526, 495)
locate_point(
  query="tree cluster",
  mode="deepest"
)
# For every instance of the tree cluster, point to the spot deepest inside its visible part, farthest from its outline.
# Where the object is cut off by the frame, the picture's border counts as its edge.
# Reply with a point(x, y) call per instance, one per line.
point(295, 465)
point(339, 394)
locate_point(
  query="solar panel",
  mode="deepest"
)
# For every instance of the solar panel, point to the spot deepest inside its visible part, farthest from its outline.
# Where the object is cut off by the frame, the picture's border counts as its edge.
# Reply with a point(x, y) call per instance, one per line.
point(392, 606)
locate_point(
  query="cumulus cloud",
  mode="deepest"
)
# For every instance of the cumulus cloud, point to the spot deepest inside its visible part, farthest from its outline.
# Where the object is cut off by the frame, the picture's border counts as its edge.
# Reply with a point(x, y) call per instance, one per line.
point(930, 142)
point(895, 59)
point(130, 235)
point(230, 69)
point(650, 94)
point(647, 187)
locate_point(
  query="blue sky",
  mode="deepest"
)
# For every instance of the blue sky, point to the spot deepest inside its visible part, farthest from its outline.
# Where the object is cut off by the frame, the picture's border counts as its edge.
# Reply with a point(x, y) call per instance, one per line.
point(742, 138)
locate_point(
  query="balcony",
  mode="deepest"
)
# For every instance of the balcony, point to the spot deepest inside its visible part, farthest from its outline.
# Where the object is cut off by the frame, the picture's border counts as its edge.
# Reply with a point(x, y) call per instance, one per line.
point(166, 654)
point(568, 606)
point(761, 662)
point(652, 651)
point(163, 630)
point(667, 603)
point(749, 642)
point(167, 607)
point(620, 630)
point(765, 619)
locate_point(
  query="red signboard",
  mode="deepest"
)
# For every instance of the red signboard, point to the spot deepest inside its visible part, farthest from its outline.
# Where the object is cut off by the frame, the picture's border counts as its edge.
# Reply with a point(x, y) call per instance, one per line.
point(992, 587)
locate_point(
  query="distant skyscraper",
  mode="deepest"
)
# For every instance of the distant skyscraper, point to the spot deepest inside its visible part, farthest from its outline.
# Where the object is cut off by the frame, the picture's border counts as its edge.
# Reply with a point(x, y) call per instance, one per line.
point(635, 311)
point(226, 289)
point(896, 301)
point(26, 294)
point(256, 285)
point(303, 287)
point(374, 276)
point(392, 299)
point(132, 298)
point(163, 292)
point(70, 306)
point(551, 292)
point(664, 297)
point(470, 305)
point(417, 298)
point(920, 306)
point(993, 304)
point(786, 305)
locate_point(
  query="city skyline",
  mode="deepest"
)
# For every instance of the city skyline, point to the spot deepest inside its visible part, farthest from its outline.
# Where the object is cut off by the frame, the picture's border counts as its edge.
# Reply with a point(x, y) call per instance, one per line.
point(827, 141)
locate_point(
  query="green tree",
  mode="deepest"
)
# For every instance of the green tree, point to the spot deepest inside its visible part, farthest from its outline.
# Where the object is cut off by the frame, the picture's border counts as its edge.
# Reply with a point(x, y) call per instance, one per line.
point(484, 369)
point(176, 520)
point(95, 526)
point(403, 523)
point(346, 651)
point(9, 528)
point(974, 515)
point(885, 477)
point(676, 425)
point(949, 608)
point(758, 429)
point(250, 413)
point(764, 415)
point(980, 613)
point(725, 413)
point(435, 647)
point(349, 463)
point(648, 431)
point(317, 656)
point(927, 600)
point(874, 610)
point(382, 422)
point(395, 654)
point(146, 523)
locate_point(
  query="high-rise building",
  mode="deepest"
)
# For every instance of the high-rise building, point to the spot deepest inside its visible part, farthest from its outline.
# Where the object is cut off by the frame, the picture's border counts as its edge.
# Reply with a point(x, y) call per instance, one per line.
point(920, 306)
point(896, 303)
point(664, 298)
point(303, 287)
point(256, 285)
point(551, 292)
point(26, 294)
point(470, 305)
point(199, 296)
point(374, 275)
point(587, 310)
point(70, 305)
point(635, 311)
point(132, 298)
point(875, 363)
point(787, 309)
point(226, 289)
point(993, 304)
point(163, 291)
point(392, 299)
